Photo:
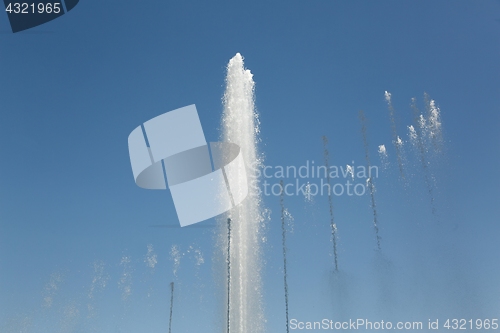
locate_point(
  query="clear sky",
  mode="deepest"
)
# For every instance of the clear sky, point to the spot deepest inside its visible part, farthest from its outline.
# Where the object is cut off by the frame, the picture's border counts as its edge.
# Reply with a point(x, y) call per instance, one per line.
point(75, 229)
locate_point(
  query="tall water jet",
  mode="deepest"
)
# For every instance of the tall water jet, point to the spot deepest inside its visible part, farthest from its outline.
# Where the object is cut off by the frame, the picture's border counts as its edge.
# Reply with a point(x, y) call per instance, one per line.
point(369, 181)
point(283, 234)
point(240, 125)
point(333, 226)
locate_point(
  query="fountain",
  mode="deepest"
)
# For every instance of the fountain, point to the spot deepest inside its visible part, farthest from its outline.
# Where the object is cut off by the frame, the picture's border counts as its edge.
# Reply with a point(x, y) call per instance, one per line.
point(240, 125)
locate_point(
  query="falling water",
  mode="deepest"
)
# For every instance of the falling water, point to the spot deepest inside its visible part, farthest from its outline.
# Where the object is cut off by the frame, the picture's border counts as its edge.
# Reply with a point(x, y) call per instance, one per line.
point(51, 289)
point(171, 306)
point(240, 125)
point(175, 256)
point(330, 202)
point(283, 232)
point(99, 281)
point(151, 258)
point(369, 181)
point(125, 282)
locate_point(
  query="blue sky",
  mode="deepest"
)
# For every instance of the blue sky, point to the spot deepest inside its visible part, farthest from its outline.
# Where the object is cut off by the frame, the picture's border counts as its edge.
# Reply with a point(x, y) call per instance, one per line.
point(73, 89)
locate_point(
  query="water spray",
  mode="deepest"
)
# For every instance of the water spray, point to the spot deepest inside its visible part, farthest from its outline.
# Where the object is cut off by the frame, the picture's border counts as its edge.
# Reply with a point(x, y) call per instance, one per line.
point(330, 202)
point(369, 181)
point(419, 132)
point(283, 232)
point(396, 140)
point(434, 123)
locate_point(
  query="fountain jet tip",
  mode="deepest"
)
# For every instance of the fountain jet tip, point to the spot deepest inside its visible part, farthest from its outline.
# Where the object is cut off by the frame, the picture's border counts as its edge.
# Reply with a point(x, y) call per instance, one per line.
point(238, 58)
point(387, 96)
